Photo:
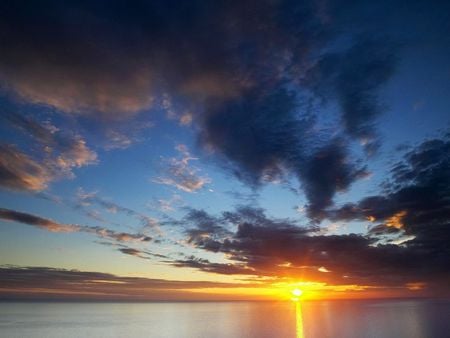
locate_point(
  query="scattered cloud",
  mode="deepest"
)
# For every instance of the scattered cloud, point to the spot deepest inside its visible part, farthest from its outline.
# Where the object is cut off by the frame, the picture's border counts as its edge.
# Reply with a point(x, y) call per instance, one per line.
point(86, 199)
point(52, 226)
point(18, 171)
point(167, 205)
point(58, 155)
point(182, 175)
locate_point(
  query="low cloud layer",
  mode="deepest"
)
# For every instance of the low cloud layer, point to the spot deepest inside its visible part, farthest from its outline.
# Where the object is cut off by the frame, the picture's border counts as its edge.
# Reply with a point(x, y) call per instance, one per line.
point(41, 283)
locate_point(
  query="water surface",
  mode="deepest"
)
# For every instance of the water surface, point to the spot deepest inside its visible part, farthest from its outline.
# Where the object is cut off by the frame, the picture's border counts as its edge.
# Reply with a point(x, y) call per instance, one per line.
point(315, 319)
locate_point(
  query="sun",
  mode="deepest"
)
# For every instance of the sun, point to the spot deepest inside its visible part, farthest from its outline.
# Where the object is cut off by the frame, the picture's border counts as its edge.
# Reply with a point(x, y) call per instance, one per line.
point(297, 292)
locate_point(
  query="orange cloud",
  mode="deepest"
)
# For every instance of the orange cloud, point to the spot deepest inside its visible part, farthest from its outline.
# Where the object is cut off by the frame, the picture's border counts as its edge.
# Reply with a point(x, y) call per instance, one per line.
point(101, 91)
point(396, 220)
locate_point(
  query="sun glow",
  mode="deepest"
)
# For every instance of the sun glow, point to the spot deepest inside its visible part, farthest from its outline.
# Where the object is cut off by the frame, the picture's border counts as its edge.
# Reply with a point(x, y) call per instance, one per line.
point(296, 293)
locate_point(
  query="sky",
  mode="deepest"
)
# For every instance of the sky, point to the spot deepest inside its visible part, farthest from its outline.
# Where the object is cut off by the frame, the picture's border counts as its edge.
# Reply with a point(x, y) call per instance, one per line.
point(206, 150)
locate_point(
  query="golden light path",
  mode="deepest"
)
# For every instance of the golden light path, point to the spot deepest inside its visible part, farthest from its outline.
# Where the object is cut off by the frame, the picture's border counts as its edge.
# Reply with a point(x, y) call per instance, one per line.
point(297, 293)
point(299, 320)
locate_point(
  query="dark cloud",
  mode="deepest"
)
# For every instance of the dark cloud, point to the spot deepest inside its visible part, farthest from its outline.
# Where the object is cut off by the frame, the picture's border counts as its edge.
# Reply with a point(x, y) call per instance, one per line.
point(263, 139)
point(259, 133)
point(133, 252)
point(415, 203)
point(117, 59)
point(415, 198)
point(204, 229)
point(52, 226)
point(207, 266)
point(353, 78)
point(327, 172)
point(50, 283)
point(262, 246)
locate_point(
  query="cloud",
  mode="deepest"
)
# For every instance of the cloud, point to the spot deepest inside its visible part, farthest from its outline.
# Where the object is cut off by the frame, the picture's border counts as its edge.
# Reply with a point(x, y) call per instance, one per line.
point(354, 78)
point(181, 174)
point(49, 225)
point(257, 245)
point(32, 283)
point(74, 70)
point(327, 172)
point(133, 252)
point(57, 155)
point(205, 230)
point(167, 205)
point(86, 199)
point(117, 62)
point(206, 266)
point(248, 78)
point(20, 172)
point(415, 200)
point(262, 139)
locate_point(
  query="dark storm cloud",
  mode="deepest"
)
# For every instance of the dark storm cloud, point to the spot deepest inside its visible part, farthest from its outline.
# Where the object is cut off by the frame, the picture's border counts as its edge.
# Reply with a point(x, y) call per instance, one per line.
point(52, 226)
point(50, 283)
point(243, 67)
point(262, 246)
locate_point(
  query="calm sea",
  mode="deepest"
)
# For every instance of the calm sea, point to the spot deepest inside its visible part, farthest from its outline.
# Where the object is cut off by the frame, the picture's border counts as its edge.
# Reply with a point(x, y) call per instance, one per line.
point(396, 319)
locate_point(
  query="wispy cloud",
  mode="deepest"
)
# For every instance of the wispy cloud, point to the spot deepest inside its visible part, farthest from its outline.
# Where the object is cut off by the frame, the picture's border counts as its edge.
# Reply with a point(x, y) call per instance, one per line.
point(166, 205)
point(52, 226)
point(85, 199)
point(59, 155)
point(182, 175)
point(18, 171)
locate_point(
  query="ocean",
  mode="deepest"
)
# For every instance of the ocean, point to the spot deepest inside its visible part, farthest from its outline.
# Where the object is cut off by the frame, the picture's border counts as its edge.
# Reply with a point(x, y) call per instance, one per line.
point(306, 319)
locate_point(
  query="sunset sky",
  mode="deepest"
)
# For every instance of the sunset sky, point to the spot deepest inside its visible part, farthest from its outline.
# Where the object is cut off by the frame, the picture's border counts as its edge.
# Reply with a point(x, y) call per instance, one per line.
point(202, 150)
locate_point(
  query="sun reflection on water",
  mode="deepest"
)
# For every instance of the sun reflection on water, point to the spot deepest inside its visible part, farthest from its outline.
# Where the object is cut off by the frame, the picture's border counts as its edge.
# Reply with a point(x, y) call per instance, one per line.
point(299, 320)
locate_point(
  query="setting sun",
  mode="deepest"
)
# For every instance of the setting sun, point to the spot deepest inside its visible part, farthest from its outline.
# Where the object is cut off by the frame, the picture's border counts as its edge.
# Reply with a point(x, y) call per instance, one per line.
point(297, 292)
